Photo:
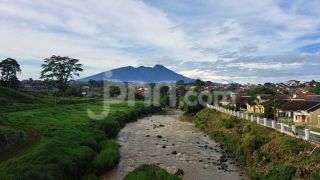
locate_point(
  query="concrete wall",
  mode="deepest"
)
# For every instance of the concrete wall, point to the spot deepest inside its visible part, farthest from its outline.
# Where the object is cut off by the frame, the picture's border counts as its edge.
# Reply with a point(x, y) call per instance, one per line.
point(10, 138)
point(315, 118)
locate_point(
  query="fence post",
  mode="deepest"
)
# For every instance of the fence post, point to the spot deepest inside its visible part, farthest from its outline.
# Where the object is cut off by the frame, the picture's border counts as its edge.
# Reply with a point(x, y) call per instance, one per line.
point(282, 127)
point(258, 119)
point(307, 134)
point(265, 121)
point(247, 116)
point(252, 118)
point(242, 115)
point(273, 124)
point(293, 127)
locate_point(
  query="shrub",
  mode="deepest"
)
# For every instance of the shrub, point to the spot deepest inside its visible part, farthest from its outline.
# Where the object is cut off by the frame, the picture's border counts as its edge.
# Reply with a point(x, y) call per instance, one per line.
point(280, 172)
point(107, 158)
point(150, 172)
point(111, 127)
point(230, 122)
point(90, 177)
point(315, 175)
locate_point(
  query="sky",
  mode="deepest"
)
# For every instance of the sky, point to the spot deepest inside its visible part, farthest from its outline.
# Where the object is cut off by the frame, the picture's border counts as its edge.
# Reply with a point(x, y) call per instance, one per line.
point(245, 41)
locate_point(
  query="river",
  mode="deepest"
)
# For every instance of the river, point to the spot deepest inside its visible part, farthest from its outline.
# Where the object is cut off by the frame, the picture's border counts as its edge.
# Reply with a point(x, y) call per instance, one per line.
point(165, 140)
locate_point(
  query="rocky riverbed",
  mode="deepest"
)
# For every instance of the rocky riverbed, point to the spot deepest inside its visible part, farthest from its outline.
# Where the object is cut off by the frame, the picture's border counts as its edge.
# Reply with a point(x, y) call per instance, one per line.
point(174, 145)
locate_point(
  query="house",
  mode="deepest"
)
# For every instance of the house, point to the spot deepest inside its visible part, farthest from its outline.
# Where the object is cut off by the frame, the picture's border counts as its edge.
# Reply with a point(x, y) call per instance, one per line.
point(255, 107)
point(302, 111)
point(259, 108)
point(237, 101)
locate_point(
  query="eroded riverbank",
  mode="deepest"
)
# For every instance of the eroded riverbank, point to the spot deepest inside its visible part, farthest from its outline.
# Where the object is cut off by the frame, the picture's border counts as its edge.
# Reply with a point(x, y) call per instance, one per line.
point(172, 144)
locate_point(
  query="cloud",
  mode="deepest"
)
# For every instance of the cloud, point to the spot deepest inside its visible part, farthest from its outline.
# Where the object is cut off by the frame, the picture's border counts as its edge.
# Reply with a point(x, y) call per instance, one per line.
point(245, 41)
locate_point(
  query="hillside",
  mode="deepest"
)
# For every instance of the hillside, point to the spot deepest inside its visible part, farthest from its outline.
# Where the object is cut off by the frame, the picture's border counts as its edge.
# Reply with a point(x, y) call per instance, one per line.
point(155, 74)
point(15, 100)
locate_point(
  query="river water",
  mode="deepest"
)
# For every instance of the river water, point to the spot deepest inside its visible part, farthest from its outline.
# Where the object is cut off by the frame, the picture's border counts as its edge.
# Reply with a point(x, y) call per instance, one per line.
point(172, 144)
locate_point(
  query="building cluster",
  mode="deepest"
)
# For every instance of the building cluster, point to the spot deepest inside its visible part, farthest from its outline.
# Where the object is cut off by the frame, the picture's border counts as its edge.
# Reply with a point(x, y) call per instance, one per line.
point(290, 102)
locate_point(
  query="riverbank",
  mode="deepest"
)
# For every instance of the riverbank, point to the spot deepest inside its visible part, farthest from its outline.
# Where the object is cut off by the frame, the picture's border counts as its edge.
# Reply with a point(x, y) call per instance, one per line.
point(268, 154)
point(71, 144)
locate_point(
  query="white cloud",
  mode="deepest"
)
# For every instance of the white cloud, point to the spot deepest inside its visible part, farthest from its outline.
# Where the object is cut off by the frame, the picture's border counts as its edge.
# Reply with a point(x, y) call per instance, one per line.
point(114, 33)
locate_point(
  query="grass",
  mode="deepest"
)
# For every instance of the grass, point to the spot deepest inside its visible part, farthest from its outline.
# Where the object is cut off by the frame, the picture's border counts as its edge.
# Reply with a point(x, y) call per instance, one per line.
point(268, 153)
point(13, 100)
point(4, 129)
point(107, 158)
point(72, 145)
point(150, 172)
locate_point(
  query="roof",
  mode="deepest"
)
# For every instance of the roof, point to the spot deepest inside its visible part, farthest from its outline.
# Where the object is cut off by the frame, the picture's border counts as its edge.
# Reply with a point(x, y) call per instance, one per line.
point(301, 105)
point(313, 98)
point(277, 102)
point(304, 95)
point(282, 97)
point(242, 101)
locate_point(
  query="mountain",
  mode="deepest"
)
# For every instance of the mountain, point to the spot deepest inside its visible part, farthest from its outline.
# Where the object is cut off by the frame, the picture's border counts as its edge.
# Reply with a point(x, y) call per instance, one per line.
point(142, 74)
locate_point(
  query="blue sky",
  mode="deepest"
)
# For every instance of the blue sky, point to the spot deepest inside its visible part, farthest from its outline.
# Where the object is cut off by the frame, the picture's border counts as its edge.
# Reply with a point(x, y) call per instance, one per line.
point(226, 40)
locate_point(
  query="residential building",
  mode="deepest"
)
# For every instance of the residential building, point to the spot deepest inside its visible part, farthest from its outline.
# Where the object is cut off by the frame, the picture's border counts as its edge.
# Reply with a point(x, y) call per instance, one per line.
point(302, 112)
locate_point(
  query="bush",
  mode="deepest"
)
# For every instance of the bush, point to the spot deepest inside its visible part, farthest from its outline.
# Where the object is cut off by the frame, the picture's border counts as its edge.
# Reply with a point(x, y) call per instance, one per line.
point(107, 158)
point(280, 172)
point(315, 175)
point(110, 127)
point(150, 172)
point(230, 122)
point(90, 177)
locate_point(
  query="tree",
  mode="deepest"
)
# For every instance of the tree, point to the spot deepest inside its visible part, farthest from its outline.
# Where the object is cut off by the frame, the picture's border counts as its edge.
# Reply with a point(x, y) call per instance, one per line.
point(269, 112)
point(164, 96)
point(9, 69)
point(316, 90)
point(199, 84)
point(61, 69)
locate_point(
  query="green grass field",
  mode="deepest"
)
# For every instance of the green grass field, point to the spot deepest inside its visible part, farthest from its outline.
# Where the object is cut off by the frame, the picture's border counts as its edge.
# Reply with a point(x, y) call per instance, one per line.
point(69, 143)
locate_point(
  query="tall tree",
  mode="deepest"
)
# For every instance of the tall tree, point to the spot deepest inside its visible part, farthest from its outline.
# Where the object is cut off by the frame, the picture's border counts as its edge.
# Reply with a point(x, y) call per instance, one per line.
point(61, 69)
point(9, 69)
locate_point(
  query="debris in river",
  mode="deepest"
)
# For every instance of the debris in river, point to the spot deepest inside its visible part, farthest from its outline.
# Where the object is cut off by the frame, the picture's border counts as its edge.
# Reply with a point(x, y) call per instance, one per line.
point(179, 172)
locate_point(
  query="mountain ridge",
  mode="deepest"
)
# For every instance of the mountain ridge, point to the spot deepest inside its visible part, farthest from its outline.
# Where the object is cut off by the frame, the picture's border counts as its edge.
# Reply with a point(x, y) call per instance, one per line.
point(143, 74)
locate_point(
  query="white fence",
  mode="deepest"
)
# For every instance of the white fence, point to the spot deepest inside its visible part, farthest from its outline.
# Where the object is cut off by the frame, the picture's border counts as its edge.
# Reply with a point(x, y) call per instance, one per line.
point(305, 134)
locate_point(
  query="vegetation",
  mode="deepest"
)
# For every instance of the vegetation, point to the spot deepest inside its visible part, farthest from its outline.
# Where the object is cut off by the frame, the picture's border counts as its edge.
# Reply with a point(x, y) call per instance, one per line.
point(269, 112)
point(71, 144)
point(9, 69)
point(190, 103)
point(107, 158)
point(261, 90)
point(316, 89)
point(150, 172)
point(268, 153)
point(61, 69)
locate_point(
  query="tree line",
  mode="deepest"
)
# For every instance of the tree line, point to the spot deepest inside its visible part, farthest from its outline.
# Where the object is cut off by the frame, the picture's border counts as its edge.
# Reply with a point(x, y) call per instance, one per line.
point(60, 69)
